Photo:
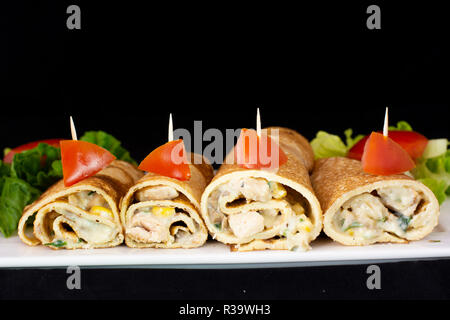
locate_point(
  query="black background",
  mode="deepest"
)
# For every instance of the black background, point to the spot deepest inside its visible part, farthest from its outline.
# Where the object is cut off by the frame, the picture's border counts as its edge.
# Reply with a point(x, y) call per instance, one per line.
point(309, 67)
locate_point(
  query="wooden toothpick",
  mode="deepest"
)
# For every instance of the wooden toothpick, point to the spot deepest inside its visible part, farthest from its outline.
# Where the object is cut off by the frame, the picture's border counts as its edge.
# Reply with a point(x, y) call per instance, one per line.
point(386, 123)
point(72, 129)
point(170, 128)
point(258, 123)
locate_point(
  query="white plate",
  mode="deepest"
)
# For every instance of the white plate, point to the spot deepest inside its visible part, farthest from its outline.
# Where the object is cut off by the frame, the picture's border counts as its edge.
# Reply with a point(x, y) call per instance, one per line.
point(14, 253)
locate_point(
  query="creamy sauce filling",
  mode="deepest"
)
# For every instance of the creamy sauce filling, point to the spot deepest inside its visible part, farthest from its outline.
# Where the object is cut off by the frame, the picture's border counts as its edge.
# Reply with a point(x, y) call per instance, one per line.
point(396, 210)
point(90, 231)
point(254, 208)
point(87, 199)
point(69, 229)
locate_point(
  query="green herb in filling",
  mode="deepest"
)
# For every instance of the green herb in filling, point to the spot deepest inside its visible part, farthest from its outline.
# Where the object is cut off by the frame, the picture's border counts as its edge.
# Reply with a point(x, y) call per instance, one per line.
point(57, 243)
point(404, 222)
point(353, 225)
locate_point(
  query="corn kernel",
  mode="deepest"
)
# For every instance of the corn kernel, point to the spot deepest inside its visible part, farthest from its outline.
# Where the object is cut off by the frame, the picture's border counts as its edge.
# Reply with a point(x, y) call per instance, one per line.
point(305, 224)
point(278, 191)
point(163, 211)
point(306, 228)
point(102, 212)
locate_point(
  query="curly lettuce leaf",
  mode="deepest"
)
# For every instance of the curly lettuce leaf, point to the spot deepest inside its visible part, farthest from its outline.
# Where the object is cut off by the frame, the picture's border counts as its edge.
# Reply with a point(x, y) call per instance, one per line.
point(40, 167)
point(351, 141)
point(109, 143)
point(5, 169)
point(326, 145)
point(401, 125)
point(30, 173)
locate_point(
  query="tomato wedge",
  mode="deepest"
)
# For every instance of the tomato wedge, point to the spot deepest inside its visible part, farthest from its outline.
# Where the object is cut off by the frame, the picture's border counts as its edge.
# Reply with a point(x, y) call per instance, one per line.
point(168, 160)
point(81, 159)
point(413, 142)
point(28, 146)
point(253, 152)
point(384, 156)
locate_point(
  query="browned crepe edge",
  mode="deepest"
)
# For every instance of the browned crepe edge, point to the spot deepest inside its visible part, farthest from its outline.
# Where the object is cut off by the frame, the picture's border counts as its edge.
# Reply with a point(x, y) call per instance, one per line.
point(291, 140)
point(333, 177)
point(294, 169)
point(338, 179)
point(114, 188)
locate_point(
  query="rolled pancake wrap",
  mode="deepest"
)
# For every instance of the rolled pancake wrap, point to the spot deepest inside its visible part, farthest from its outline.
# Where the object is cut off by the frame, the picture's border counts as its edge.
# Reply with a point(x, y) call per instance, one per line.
point(362, 209)
point(84, 215)
point(253, 209)
point(163, 212)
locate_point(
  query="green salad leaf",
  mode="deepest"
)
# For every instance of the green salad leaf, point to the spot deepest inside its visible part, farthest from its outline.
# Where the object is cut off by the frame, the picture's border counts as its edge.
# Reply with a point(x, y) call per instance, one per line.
point(30, 173)
point(401, 125)
point(15, 194)
point(351, 141)
point(109, 143)
point(5, 169)
point(40, 167)
point(327, 145)
point(435, 174)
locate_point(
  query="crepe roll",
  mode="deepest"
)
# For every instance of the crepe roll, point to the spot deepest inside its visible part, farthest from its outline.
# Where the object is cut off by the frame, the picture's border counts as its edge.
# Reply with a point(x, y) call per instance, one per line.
point(163, 212)
point(257, 209)
point(362, 209)
point(84, 215)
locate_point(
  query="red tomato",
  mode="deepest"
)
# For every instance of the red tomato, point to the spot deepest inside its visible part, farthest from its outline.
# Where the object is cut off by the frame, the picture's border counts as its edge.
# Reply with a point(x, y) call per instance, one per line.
point(253, 152)
point(384, 156)
point(81, 159)
point(357, 150)
point(10, 155)
point(413, 142)
point(168, 160)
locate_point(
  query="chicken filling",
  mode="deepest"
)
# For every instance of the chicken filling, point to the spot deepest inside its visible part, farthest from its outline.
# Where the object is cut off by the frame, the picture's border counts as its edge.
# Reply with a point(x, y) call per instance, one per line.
point(254, 208)
point(161, 224)
point(396, 210)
